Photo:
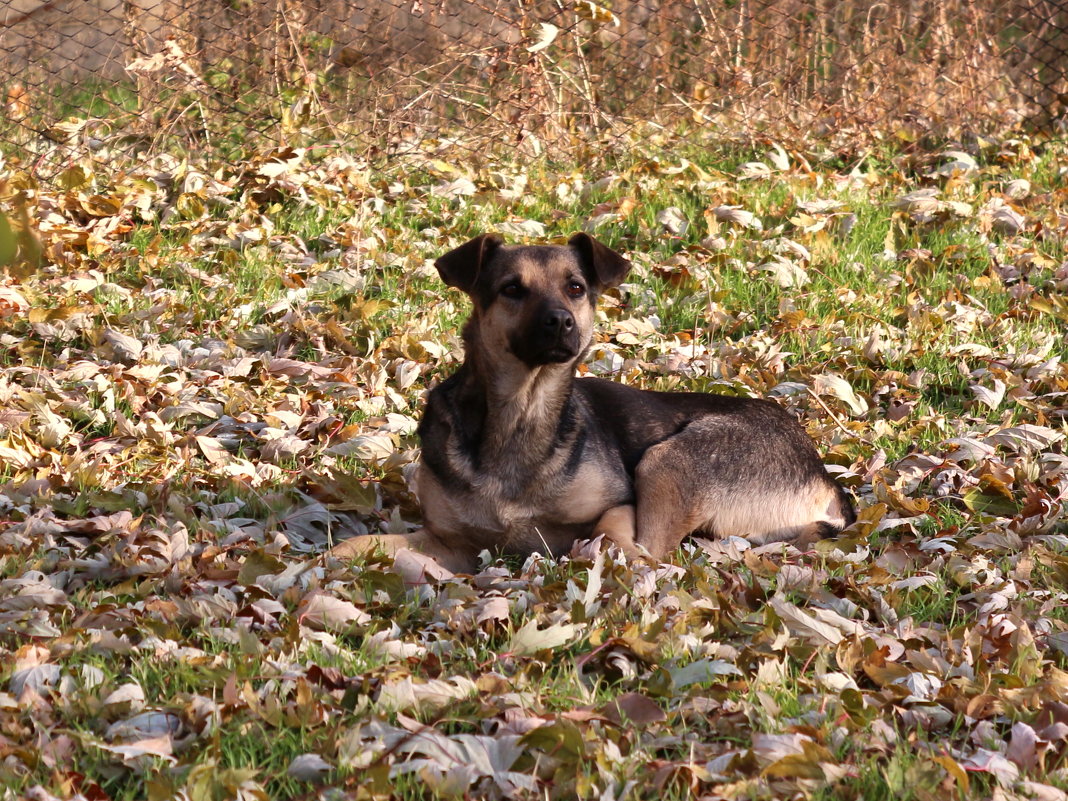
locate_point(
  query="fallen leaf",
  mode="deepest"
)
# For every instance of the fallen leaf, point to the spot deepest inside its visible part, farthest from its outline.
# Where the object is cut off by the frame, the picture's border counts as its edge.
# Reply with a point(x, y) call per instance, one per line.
point(309, 768)
point(530, 640)
point(323, 611)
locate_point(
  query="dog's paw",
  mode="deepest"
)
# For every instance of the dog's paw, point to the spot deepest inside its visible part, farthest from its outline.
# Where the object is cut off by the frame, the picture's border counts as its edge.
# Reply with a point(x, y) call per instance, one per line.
point(617, 526)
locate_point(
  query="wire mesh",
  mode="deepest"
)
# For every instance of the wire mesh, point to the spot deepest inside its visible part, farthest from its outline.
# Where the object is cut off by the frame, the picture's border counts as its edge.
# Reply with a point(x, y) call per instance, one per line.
point(126, 79)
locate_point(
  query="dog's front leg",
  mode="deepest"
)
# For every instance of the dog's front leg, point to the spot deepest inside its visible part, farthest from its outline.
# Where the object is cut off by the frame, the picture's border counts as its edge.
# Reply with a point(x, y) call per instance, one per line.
point(618, 526)
point(423, 540)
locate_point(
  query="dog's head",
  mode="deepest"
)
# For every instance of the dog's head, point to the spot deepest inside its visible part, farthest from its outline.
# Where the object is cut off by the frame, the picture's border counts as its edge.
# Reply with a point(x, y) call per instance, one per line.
point(534, 302)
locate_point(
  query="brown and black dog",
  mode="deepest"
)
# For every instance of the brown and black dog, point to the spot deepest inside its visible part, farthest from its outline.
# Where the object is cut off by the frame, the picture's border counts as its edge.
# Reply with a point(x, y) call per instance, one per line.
point(519, 455)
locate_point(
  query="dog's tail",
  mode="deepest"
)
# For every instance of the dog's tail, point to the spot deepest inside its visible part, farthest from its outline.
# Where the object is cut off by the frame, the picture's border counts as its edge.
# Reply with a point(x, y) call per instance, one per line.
point(846, 514)
point(845, 508)
point(849, 512)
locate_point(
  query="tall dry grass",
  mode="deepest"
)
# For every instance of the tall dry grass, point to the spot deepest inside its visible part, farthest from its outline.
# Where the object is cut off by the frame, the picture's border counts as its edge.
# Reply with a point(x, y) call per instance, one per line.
point(391, 74)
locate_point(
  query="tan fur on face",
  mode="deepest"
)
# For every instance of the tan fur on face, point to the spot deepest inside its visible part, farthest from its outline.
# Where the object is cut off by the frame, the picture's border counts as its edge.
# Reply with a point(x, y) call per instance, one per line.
point(545, 281)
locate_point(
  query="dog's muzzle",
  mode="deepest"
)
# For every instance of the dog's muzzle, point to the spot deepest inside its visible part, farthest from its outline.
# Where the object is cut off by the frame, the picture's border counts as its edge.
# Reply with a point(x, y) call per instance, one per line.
point(558, 321)
point(552, 338)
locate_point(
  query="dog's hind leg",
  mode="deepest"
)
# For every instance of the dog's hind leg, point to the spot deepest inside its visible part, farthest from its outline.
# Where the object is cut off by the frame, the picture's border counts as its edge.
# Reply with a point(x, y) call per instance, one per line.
point(665, 515)
point(423, 540)
point(729, 478)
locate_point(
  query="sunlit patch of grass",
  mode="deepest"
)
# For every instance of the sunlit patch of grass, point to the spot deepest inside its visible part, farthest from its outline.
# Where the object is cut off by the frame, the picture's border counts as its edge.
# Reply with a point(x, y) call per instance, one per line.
point(934, 603)
point(878, 780)
point(267, 751)
point(14, 564)
point(351, 661)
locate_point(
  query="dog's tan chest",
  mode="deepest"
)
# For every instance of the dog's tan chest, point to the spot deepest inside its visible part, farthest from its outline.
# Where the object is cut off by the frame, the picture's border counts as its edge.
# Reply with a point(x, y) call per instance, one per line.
point(593, 489)
point(549, 513)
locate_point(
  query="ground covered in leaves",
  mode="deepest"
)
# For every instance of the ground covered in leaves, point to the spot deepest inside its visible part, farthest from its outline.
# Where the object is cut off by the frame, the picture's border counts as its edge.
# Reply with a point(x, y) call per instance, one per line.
point(213, 370)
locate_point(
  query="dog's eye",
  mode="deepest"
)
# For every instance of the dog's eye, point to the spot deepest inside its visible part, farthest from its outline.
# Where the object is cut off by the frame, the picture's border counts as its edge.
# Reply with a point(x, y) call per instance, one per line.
point(575, 289)
point(512, 290)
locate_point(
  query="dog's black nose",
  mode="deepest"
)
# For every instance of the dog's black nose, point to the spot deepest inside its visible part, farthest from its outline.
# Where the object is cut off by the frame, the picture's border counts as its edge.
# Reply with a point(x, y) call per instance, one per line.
point(558, 320)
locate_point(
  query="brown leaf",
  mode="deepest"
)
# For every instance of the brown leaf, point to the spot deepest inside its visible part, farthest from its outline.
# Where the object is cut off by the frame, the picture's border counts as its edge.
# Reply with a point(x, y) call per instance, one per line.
point(323, 611)
point(417, 568)
point(804, 625)
point(1023, 746)
point(212, 449)
point(158, 747)
point(633, 709)
point(495, 608)
point(122, 347)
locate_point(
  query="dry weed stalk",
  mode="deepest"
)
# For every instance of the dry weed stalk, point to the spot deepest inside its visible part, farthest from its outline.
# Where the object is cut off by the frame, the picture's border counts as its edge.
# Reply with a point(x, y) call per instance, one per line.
point(394, 73)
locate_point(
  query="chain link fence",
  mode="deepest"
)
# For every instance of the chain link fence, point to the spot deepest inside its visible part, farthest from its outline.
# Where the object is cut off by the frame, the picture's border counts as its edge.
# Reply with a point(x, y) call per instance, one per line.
point(124, 79)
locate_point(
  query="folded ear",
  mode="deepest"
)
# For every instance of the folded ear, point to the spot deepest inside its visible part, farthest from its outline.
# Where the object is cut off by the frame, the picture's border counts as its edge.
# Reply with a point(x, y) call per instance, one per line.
point(603, 266)
point(461, 267)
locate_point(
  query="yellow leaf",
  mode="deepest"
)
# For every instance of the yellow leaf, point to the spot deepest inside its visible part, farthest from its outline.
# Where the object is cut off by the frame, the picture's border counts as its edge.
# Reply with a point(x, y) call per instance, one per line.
point(101, 205)
point(74, 177)
point(190, 206)
point(898, 501)
point(954, 769)
point(20, 250)
point(596, 13)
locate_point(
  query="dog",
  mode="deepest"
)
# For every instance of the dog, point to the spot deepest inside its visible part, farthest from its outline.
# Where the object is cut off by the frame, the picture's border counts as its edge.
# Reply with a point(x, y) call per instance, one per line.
point(520, 455)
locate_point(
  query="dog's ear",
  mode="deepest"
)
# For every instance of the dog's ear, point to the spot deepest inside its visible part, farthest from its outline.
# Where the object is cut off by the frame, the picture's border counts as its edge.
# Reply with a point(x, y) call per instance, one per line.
point(461, 267)
point(602, 265)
